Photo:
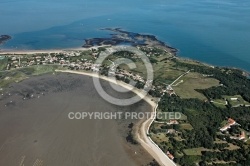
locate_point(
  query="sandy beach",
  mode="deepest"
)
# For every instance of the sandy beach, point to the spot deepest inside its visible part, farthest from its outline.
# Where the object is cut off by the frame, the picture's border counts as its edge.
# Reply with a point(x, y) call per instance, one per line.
point(21, 52)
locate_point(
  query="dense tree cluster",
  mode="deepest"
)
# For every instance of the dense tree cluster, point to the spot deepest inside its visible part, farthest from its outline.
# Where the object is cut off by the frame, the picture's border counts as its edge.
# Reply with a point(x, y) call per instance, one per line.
point(233, 80)
point(206, 119)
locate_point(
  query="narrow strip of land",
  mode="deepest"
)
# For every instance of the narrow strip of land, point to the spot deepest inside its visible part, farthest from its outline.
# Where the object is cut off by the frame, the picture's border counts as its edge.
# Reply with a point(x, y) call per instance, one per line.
point(149, 144)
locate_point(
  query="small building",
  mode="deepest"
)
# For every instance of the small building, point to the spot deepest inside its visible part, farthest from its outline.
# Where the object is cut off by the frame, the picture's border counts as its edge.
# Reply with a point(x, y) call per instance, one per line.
point(173, 121)
point(233, 99)
point(225, 128)
point(230, 122)
point(170, 155)
point(242, 136)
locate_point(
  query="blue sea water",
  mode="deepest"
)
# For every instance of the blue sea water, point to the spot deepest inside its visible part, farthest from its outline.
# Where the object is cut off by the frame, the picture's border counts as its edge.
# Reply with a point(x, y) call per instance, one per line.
point(213, 31)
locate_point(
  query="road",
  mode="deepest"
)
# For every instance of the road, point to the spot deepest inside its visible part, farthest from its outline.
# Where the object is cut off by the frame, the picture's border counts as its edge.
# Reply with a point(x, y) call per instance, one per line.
point(150, 146)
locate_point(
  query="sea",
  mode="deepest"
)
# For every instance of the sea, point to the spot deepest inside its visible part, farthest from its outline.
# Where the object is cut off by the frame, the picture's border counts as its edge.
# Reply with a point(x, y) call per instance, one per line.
point(216, 32)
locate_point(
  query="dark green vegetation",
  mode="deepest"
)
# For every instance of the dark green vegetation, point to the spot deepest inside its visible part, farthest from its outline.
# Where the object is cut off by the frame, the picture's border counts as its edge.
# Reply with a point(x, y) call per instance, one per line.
point(205, 144)
point(130, 137)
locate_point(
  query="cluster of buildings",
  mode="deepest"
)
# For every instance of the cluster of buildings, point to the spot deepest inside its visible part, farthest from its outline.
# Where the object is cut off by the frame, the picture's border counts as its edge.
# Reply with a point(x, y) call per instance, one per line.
point(231, 122)
point(19, 61)
point(151, 51)
point(168, 90)
point(71, 59)
point(76, 60)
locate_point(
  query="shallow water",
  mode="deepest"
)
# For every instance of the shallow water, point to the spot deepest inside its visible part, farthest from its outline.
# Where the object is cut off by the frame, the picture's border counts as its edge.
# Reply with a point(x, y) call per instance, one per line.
point(216, 32)
point(38, 130)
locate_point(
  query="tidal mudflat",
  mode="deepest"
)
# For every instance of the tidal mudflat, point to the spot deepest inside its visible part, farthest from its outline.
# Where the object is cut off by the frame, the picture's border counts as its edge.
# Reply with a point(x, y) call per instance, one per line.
point(35, 128)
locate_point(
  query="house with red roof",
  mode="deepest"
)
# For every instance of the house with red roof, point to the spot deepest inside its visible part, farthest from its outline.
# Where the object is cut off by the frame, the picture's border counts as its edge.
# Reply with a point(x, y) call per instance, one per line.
point(230, 122)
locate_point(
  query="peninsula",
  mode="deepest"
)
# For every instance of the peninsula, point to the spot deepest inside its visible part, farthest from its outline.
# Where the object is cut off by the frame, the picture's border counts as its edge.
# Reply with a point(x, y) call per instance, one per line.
point(214, 101)
point(122, 37)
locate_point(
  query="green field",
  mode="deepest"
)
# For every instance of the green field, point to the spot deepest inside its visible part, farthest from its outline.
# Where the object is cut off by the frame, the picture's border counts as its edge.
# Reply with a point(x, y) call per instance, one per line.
point(3, 63)
point(235, 103)
point(194, 151)
point(161, 137)
point(190, 82)
point(232, 147)
point(220, 103)
point(186, 126)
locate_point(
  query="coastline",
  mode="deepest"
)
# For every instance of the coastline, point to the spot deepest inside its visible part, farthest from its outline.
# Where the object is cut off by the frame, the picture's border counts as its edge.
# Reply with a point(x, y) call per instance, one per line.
point(149, 145)
point(29, 52)
point(20, 52)
point(142, 127)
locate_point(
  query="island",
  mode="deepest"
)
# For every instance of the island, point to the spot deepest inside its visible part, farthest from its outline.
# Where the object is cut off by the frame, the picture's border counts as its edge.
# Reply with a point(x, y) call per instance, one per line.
point(214, 101)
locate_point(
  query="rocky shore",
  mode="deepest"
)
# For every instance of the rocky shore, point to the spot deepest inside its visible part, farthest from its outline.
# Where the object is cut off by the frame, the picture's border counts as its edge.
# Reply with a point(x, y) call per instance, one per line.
point(121, 37)
point(4, 38)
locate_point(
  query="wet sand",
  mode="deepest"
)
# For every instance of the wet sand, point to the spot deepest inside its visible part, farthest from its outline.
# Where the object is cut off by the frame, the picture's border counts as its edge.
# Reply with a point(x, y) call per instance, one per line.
point(37, 130)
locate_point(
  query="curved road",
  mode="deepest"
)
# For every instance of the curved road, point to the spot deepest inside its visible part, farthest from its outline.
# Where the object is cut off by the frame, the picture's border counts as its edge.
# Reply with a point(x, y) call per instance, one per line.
point(149, 145)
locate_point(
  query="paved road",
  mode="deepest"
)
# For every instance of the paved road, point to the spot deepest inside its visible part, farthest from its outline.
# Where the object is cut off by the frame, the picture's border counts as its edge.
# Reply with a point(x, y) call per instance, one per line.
point(150, 146)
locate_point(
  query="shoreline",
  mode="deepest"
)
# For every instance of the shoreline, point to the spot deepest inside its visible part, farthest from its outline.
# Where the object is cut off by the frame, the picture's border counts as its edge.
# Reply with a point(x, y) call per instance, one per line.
point(142, 127)
point(40, 51)
point(29, 52)
point(21, 52)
